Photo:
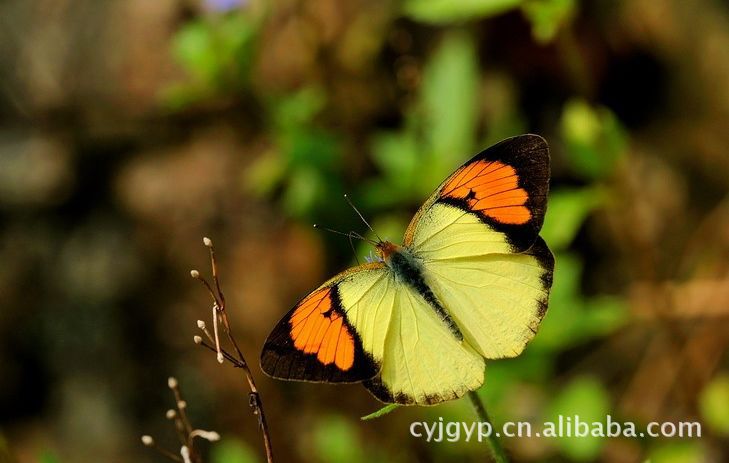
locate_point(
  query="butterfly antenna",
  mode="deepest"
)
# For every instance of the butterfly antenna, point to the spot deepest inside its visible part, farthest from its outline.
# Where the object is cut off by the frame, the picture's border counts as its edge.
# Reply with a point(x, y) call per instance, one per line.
point(350, 235)
point(351, 245)
point(351, 204)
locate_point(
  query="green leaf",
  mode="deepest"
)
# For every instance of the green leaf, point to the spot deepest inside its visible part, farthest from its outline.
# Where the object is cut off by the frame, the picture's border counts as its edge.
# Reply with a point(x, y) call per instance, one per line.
point(266, 173)
point(396, 154)
point(547, 16)
point(533, 366)
point(447, 11)
point(378, 193)
point(714, 404)
point(567, 211)
point(586, 399)
point(594, 139)
point(194, 48)
point(304, 189)
point(217, 53)
point(381, 412)
point(230, 450)
point(236, 35)
point(297, 109)
point(602, 316)
point(678, 452)
point(449, 104)
point(46, 457)
point(309, 147)
point(336, 439)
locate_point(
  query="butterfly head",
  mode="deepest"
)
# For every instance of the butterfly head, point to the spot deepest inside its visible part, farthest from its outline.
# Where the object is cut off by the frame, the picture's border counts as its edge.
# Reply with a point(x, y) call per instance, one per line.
point(385, 249)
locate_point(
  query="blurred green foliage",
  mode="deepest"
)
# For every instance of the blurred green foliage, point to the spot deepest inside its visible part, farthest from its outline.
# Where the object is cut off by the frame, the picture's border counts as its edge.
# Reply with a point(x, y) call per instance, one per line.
point(216, 52)
point(594, 138)
point(444, 11)
point(49, 457)
point(336, 439)
point(304, 163)
point(586, 398)
point(545, 16)
point(441, 129)
point(276, 109)
point(714, 405)
point(232, 450)
point(678, 452)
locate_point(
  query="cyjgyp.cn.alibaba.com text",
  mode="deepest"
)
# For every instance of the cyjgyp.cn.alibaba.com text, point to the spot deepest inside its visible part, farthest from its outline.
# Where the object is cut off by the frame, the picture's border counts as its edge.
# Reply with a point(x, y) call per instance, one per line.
point(564, 426)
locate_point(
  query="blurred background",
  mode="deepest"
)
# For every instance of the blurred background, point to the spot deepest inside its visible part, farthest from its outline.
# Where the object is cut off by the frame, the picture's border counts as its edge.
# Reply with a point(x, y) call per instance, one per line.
point(130, 129)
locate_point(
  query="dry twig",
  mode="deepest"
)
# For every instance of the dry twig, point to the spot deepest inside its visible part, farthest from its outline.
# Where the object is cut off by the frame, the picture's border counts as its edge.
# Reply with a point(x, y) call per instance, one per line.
point(220, 316)
point(185, 432)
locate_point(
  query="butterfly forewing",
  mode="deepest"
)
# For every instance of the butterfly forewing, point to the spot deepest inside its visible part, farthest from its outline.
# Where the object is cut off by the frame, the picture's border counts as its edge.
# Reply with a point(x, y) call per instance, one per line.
point(317, 342)
point(505, 187)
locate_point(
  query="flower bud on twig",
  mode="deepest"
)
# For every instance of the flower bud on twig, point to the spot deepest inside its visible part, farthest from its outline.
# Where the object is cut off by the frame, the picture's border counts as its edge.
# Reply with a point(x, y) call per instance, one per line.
point(185, 452)
point(211, 436)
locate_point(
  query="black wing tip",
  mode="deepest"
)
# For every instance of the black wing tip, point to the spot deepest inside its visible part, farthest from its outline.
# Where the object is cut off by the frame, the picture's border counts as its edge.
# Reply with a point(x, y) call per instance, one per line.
point(533, 140)
point(529, 154)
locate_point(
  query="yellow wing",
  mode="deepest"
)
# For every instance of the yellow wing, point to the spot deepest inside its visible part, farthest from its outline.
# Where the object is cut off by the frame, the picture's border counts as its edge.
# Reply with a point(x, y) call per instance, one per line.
point(477, 239)
point(421, 361)
point(364, 323)
point(484, 269)
point(496, 299)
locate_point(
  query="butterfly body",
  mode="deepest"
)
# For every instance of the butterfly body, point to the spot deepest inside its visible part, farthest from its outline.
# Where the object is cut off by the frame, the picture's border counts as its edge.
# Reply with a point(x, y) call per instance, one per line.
point(407, 269)
point(470, 282)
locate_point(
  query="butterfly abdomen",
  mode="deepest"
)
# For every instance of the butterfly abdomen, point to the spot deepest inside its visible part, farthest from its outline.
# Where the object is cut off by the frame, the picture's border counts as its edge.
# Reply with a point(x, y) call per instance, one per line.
point(408, 270)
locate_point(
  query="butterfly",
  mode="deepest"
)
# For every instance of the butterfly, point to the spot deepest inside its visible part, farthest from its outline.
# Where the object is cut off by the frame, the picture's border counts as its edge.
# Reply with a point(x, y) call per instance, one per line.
point(469, 283)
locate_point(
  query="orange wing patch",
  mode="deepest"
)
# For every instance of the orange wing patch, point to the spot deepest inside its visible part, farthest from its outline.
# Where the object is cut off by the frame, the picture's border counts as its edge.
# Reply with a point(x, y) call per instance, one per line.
point(317, 329)
point(492, 188)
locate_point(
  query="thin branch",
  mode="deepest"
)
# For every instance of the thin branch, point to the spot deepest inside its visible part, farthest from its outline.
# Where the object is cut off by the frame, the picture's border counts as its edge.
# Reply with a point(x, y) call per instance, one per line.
point(220, 315)
point(216, 311)
point(497, 451)
point(185, 432)
point(149, 442)
point(182, 420)
point(214, 267)
point(227, 356)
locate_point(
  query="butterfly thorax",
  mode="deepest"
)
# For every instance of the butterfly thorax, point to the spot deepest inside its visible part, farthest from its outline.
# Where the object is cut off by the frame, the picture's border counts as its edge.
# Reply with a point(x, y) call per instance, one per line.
point(408, 269)
point(404, 265)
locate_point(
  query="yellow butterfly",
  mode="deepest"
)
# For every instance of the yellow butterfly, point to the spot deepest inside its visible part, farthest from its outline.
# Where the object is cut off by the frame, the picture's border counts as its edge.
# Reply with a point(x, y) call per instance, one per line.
point(470, 282)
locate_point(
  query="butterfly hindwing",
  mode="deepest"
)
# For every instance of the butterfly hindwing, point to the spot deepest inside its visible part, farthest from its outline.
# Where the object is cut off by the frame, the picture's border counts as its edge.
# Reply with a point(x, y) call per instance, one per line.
point(423, 362)
point(497, 300)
